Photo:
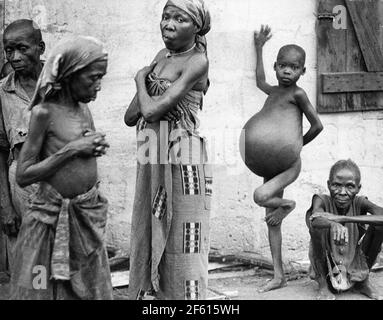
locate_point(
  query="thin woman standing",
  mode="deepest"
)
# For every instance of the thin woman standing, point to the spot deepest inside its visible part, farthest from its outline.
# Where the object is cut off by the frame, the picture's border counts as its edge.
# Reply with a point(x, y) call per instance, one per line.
point(60, 252)
point(170, 223)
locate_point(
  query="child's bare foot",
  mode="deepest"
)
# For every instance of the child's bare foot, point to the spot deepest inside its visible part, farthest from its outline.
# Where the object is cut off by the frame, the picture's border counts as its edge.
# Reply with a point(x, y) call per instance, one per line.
point(311, 272)
point(325, 294)
point(367, 289)
point(275, 217)
point(289, 205)
point(273, 284)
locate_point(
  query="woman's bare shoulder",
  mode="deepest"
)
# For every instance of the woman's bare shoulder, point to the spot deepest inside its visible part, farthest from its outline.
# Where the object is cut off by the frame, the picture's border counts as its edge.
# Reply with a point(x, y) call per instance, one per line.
point(197, 63)
point(161, 54)
point(200, 58)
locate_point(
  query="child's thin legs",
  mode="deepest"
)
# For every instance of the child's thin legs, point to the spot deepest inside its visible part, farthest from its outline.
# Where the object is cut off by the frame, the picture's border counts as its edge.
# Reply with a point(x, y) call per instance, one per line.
point(275, 241)
point(270, 195)
point(265, 195)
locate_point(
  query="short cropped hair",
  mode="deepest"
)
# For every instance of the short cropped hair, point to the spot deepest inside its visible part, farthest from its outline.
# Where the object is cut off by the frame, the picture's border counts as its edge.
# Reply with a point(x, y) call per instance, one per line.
point(345, 164)
point(25, 24)
point(295, 47)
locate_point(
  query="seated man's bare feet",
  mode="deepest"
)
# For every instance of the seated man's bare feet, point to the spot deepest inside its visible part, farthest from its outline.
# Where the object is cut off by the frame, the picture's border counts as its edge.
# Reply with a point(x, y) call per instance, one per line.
point(276, 217)
point(273, 284)
point(366, 288)
point(311, 272)
point(325, 294)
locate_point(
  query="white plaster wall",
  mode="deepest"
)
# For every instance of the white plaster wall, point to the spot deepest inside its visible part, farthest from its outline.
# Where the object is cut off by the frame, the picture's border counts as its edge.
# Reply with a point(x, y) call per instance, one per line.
point(130, 30)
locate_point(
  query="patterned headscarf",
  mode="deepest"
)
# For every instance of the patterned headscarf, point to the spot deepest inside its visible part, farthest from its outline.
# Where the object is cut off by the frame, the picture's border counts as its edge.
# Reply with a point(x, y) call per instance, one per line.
point(199, 13)
point(68, 57)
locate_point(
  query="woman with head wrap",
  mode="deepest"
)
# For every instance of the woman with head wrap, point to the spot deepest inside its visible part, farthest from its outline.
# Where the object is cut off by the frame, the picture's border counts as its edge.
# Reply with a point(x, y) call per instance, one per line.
point(170, 223)
point(60, 252)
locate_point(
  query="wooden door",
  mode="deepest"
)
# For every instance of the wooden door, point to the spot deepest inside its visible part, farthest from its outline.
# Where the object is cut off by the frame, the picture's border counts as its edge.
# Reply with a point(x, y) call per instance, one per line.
point(350, 59)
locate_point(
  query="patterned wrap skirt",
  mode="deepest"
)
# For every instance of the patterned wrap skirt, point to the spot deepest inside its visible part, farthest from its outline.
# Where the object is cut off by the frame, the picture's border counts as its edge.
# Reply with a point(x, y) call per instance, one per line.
point(170, 235)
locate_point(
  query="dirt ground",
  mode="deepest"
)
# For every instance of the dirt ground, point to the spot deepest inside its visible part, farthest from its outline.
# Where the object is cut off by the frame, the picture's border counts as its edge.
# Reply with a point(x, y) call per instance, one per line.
point(244, 285)
point(302, 288)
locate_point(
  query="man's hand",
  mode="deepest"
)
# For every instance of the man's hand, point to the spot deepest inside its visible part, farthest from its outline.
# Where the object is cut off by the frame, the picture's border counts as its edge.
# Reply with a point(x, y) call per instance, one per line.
point(339, 233)
point(260, 37)
point(10, 221)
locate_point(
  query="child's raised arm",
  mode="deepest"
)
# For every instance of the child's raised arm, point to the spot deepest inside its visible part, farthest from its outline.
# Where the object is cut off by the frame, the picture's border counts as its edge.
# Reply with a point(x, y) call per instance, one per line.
point(304, 104)
point(259, 40)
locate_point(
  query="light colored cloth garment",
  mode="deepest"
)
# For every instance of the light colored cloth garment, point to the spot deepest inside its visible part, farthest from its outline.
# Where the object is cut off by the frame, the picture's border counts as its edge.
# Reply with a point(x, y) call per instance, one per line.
point(21, 198)
point(170, 223)
point(199, 13)
point(14, 115)
point(350, 256)
point(63, 237)
point(14, 122)
point(69, 56)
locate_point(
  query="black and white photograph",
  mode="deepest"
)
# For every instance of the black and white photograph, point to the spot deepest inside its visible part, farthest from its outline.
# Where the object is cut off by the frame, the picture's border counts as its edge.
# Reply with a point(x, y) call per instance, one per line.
point(183, 150)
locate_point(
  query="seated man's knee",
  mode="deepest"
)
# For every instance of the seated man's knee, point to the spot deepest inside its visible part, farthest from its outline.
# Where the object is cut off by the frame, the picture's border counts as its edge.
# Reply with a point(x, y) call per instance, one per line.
point(292, 204)
point(375, 230)
point(260, 198)
point(378, 229)
point(317, 233)
point(318, 245)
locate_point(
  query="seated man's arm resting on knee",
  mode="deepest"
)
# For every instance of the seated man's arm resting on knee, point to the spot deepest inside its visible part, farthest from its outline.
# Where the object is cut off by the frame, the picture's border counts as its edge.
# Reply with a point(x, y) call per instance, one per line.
point(376, 217)
point(319, 219)
point(372, 208)
point(316, 218)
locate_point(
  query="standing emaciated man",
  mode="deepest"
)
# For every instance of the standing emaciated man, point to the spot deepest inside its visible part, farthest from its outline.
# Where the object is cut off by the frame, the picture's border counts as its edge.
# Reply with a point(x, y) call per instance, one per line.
point(23, 47)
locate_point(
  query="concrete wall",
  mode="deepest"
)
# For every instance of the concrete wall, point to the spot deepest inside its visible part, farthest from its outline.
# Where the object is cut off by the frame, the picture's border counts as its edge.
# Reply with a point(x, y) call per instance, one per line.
point(130, 30)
